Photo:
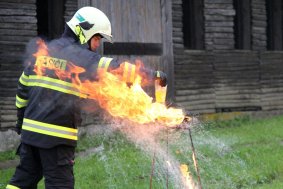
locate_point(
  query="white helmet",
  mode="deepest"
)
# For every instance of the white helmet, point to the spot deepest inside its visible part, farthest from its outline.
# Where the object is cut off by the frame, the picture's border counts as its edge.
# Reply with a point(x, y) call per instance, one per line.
point(89, 21)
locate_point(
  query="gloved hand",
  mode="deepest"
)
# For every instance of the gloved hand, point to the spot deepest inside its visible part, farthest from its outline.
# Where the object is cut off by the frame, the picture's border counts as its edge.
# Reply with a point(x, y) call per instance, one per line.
point(18, 128)
point(162, 77)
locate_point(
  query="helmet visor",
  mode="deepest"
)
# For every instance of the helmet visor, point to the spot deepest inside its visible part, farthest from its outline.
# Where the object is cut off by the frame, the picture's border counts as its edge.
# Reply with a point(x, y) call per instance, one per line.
point(107, 37)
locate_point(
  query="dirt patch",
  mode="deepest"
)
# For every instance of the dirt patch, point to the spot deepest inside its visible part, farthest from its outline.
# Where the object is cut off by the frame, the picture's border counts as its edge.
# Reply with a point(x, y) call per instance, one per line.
point(9, 164)
point(90, 151)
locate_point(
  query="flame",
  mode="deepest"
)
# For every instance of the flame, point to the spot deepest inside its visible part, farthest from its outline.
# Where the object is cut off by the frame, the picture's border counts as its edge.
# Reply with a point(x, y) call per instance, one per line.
point(42, 48)
point(186, 176)
point(42, 51)
point(113, 94)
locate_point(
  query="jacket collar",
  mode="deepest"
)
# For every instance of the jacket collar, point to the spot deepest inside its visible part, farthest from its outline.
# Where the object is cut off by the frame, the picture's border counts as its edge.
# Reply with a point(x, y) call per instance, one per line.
point(68, 33)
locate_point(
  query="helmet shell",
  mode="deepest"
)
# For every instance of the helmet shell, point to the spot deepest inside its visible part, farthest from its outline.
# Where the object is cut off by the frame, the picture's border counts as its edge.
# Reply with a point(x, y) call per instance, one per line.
point(91, 21)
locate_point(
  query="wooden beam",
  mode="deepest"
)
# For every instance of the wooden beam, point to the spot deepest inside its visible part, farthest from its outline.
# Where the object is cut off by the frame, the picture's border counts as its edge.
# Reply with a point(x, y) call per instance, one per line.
point(167, 60)
point(56, 20)
point(131, 48)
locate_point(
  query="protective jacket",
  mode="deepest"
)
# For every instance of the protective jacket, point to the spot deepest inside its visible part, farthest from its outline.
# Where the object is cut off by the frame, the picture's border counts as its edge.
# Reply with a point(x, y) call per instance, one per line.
point(48, 107)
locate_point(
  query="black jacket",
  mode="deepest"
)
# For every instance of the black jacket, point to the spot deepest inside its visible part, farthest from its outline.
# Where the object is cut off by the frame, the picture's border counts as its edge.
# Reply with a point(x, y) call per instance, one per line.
point(49, 107)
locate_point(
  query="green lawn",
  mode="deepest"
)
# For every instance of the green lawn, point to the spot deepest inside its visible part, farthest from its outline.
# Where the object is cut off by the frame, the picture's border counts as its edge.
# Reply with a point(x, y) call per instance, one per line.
point(240, 153)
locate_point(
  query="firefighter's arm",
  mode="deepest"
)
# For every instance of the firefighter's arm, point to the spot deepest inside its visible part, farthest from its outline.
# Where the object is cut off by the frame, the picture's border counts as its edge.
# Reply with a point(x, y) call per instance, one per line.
point(129, 71)
point(21, 100)
point(19, 123)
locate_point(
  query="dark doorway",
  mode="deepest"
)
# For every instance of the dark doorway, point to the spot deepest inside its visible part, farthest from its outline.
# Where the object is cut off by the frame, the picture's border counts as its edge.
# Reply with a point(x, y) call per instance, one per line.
point(242, 24)
point(50, 18)
point(193, 24)
point(274, 24)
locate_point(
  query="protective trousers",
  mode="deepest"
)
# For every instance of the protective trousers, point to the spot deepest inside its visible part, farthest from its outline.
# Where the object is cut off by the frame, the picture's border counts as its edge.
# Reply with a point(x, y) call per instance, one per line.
point(55, 164)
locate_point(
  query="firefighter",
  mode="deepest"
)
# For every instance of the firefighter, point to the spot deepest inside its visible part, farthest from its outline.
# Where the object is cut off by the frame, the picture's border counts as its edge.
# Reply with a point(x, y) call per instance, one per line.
point(48, 107)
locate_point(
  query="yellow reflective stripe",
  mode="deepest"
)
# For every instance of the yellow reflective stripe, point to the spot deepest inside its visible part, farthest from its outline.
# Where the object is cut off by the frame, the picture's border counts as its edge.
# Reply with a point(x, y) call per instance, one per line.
point(62, 128)
point(100, 63)
point(104, 63)
point(9, 186)
point(24, 79)
point(21, 102)
point(108, 63)
point(51, 80)
point(50, 129)
point(50, 133)
point(54, 84)
point(129, 72)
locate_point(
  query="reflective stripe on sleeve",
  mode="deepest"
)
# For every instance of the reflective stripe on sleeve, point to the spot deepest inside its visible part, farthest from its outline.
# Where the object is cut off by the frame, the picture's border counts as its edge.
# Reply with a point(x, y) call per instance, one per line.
point(50, 129)
point(24, 79)
point(54, 84)
point(20, 103)
point(129, 72)
point(104, 63)
point(9, 186)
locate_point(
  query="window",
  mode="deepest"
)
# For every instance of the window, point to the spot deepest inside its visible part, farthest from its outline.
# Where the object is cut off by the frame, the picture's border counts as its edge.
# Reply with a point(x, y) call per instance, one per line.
point(193, 24)
point(242, 24)
point(274, 24)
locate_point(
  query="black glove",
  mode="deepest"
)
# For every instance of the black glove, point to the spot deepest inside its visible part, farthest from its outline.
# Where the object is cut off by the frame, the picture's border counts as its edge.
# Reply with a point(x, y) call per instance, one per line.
point(162, 77)
point(18, 128)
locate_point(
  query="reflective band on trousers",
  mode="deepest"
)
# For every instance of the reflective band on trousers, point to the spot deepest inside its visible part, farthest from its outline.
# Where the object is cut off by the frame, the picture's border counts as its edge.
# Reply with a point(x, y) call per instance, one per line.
point(20, 103)
point(129, 72)
point(104, 63)
point(50, 129)
point(9, 186)
point(51, 83)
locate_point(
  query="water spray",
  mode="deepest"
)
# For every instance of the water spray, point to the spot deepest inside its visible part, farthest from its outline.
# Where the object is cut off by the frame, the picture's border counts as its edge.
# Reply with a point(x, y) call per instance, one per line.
point(160, 95)
point(152, 170)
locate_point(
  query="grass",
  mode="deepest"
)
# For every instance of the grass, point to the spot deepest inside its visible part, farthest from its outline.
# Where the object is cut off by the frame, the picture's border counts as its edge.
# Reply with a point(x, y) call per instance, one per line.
point(244, 153)
point(7, 155)
point(117, 164)
point(239, 153)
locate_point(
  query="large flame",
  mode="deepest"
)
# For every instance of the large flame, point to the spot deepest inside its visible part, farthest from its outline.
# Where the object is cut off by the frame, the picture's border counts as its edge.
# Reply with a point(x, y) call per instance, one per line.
point(113, 94)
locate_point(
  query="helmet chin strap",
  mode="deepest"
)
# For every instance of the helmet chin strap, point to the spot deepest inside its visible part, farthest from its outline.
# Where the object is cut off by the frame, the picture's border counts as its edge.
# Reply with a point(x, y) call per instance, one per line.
point(80, 34)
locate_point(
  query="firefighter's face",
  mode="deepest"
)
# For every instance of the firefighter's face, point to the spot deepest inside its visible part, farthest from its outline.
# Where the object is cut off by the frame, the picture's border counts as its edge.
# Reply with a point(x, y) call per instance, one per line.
point(95, 42)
